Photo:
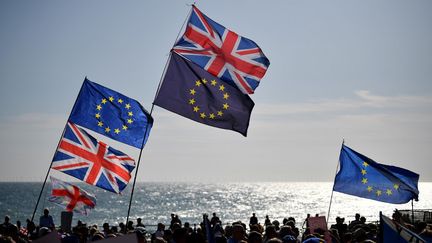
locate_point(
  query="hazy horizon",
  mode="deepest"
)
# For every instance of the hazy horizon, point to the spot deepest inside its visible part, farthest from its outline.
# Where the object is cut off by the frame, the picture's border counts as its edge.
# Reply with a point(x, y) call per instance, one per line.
point(354, 70)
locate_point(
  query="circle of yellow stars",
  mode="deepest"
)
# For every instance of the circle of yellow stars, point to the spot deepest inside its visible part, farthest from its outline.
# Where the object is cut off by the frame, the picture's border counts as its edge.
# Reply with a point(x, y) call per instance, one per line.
point(376, 190)
point(212, 84)
point(120, 102)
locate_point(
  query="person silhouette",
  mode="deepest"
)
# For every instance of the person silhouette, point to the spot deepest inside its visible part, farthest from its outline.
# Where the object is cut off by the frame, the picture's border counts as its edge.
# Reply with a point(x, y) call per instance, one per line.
point(46, 220)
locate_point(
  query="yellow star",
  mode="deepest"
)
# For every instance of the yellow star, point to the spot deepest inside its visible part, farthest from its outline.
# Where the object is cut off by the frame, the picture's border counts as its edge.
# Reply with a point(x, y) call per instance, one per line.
point(130, 113)
point(378, 193)
point(104, 101)
point(98, 107)
point(389, 192)
point(220, 113)
point(364, 172)
point(111, 98)
point(198, 83)
point(191, 101)
point(226, 106)
point(364, 180)
point(196, 108)
point(369, 188)
point(221, 87)
point(226, 96)
point(129, 121)
point(128, 106)
point(124, 127)
point(120, 101)
point(213, 82)
point(100, 124)
point(396, 186)
point(203, 115)
point(204, 81)
point(365, 164)
point(192, 91)
point(212, 116)
point(97, 115)
point(116, 131)
point(107, 129)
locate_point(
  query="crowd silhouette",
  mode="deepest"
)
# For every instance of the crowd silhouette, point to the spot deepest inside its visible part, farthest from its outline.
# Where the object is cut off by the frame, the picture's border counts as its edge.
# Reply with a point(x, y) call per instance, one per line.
point(211, 230)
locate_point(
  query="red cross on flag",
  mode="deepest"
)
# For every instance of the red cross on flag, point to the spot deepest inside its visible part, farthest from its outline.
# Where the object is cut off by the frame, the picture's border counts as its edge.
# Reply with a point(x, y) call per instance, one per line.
point(71, 197)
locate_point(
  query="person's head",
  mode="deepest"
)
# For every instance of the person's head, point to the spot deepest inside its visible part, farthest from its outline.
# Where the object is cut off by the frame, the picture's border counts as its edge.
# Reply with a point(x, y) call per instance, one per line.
point(238, 232)
point(255, 237)
point(253, 214)
point(362, 219)
point(270, 231)
point(139, 220)
point(357, 216)
point(160, 227)
point(7, 219)
point(214, 214)
point(285, 230)
point(267, 216)
point(276, 224)
point(105, 226)
point(46, 212)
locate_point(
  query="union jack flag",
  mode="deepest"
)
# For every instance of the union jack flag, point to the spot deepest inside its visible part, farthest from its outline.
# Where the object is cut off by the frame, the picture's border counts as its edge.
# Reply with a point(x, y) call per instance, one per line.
point(82, 156)
point(71, 197)
point(222, 52)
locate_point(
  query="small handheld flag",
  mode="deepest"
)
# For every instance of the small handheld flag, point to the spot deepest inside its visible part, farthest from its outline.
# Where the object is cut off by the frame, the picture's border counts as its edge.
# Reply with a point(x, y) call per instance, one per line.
point(391, 231)
point(82, 156)
point(111, 114)
point(232, 58)
point(363, 177)
point(71, 197)
point(190, 91)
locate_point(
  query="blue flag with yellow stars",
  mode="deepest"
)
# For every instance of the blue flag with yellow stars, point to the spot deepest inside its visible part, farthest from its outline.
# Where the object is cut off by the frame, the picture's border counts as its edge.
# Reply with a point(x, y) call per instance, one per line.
point(192, 92)
point(112, 114)
point(363, 177)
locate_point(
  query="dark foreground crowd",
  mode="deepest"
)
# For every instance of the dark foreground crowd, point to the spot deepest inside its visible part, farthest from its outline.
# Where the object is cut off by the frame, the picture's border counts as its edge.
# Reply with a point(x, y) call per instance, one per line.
point(212, 228)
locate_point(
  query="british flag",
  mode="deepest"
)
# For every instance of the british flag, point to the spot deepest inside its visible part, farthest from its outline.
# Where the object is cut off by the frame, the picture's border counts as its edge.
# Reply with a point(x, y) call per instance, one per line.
point(82, 156)
point(71, 197)
point(222, 52)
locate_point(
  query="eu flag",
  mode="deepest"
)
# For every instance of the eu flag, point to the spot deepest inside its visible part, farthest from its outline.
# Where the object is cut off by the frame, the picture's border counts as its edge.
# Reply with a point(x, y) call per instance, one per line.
point(112, 114)
point(363, 177)
point(190, 91)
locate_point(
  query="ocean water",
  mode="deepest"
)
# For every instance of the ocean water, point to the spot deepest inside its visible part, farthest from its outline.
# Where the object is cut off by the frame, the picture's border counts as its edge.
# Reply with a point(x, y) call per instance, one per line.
point(154, 202)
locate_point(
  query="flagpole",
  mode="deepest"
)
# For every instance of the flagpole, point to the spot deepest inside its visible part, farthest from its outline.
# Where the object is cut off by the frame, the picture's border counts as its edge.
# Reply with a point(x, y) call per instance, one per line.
point(137, 167)
point(331, 197)
point(151, 111)
point(412, 211)
point(58, 145)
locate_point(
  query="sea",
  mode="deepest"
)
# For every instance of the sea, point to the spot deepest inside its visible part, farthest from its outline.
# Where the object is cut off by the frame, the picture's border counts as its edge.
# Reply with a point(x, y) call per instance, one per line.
point(154, 202)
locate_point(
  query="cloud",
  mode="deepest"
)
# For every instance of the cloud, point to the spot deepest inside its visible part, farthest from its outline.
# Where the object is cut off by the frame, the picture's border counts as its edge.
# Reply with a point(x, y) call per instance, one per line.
point(362, 100)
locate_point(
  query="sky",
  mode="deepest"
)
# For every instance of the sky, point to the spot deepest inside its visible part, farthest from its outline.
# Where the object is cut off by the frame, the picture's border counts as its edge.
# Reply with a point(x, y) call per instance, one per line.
point(354, 70)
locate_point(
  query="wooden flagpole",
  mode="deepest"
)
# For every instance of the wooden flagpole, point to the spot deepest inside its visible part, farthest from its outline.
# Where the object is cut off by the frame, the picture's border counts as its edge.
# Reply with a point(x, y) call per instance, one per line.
point(151, 111)
point(58, 145)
